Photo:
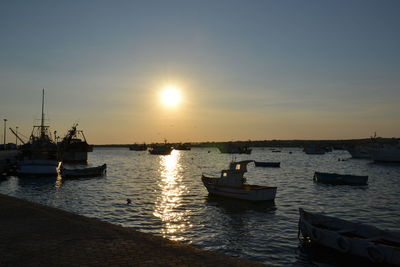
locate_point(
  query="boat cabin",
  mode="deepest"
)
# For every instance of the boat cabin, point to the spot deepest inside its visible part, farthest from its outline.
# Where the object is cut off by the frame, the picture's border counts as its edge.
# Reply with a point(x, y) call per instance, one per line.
point(234, 175)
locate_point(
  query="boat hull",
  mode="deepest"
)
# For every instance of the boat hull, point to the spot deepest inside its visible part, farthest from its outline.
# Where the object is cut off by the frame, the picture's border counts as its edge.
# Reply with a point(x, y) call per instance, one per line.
point(37, 168)
point(267, 164)
point(360, 152)
point(334, 178)
point(387, 154)
point(84, 172)
point(378, 246)
point(245, 192)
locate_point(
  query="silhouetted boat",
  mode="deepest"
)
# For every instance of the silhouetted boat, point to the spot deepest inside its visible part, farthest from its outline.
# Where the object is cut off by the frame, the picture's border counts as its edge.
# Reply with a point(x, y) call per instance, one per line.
point(37, 167)
point(231, 148)
point(360, 152)
point(387, 153)
point(378, 246)
point(334, 178)
point(267, 164)
point(73, 148)
point(39, 155)
point(82, 172)
point(182, 147)
point(138, 147)
point(232, 184)
point(164, 149)
point(314, 150)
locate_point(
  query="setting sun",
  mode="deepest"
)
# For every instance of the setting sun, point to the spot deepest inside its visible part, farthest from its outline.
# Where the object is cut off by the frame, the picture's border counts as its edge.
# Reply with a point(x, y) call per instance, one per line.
point(171, 96)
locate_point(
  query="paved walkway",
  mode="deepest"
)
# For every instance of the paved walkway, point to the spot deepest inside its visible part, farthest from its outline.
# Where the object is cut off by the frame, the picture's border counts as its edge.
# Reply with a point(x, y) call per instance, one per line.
point(36, 235)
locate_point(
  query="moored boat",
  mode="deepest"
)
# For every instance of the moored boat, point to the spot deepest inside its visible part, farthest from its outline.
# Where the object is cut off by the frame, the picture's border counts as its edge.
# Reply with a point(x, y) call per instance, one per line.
point(82, 172)
point(182, 147)
point(74, 148)
point(360, 152)
point(231, 148)
point(314, 150)
point(232, 184)
point(164, 149)
point(138, 147)
point(335, 178)
point(37, 167)
point(378, 246)
point(267, 164)
point(39, 155)
point(387, 153)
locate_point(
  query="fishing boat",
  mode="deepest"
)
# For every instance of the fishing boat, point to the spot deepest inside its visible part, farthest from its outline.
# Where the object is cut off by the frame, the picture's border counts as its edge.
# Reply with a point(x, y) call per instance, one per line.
point(232, 183)
point(387, 153)
point(138, 147)
point(39, 155)
point(378, 246)
point(74, 148)
point(334, 178)
point(267, 164)
point(231, 148)
point(37, 167)
point(182, 147)
point(164, 149)
point(82, 172)
point(314, 150)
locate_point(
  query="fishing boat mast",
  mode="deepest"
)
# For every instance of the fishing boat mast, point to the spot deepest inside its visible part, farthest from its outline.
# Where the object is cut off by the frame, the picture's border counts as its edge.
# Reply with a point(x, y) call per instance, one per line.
point(42, 127)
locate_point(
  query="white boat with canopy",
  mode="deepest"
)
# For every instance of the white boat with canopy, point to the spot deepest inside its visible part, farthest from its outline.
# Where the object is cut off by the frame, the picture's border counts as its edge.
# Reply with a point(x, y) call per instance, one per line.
point(232, 183)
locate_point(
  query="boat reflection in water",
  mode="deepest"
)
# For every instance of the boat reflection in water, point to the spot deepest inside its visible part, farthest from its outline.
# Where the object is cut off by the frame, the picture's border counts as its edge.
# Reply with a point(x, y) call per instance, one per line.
point(169, 203)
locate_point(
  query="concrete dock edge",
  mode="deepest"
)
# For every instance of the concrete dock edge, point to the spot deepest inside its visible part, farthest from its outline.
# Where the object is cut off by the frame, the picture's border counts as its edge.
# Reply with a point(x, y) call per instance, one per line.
point(36, 235)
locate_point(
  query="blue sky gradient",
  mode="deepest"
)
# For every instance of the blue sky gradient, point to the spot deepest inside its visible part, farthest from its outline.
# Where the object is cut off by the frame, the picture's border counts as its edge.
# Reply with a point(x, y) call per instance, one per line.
point(247, 69)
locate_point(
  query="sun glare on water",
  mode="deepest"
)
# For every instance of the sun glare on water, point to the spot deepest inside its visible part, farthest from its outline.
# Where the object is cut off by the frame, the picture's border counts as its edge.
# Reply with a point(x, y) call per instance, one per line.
point(171, 96)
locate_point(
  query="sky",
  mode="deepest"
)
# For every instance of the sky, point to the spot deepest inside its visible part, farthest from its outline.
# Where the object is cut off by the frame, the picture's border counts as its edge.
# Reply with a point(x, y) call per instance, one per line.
point(246, 70)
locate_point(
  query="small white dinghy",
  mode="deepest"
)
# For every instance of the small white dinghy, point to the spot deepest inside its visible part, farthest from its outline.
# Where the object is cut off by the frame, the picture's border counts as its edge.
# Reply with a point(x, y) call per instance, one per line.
point(232, 184)
point(378, 246)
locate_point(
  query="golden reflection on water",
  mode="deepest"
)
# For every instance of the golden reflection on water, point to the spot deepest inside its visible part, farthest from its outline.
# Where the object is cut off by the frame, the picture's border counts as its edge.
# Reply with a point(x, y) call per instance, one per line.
point(169, 203)
point(58, 183)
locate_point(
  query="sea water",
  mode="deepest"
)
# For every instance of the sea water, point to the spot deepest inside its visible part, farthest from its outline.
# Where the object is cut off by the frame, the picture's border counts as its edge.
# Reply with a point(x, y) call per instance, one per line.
point(168, 198)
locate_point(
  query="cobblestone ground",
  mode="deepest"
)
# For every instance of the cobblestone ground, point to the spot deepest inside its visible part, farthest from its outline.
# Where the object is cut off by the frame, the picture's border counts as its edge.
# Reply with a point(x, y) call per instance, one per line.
point(36, 235)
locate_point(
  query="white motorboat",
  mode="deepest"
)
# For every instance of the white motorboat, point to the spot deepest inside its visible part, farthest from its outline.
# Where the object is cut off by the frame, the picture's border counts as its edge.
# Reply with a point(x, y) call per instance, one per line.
point(232, 184)
point(387, 154)
point(378, 246)
point(360, 152)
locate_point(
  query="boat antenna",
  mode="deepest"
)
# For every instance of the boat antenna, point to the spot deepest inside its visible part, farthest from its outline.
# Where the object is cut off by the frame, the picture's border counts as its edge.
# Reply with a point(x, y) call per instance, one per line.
point(42, 131)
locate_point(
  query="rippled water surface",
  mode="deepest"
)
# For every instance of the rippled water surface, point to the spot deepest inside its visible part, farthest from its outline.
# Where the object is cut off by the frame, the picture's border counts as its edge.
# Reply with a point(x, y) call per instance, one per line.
point(169, 199)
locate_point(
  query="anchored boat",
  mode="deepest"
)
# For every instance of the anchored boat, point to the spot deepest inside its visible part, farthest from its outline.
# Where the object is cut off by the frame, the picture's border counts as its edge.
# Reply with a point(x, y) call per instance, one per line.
point(387, 153)
point(379, 246)
point(232, 184)
point(267, 164)
point(164, 149)
point(334, 178)
point(82, 172)
point(73, 148)
point(39, 155)
point(138, 147)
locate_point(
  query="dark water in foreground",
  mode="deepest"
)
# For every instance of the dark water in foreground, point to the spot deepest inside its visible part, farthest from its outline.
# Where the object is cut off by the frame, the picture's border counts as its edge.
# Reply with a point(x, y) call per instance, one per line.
point(168, 198)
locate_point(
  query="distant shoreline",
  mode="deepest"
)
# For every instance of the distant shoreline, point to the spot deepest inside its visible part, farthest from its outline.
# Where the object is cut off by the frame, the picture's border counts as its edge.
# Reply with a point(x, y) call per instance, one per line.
point(279, 143)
